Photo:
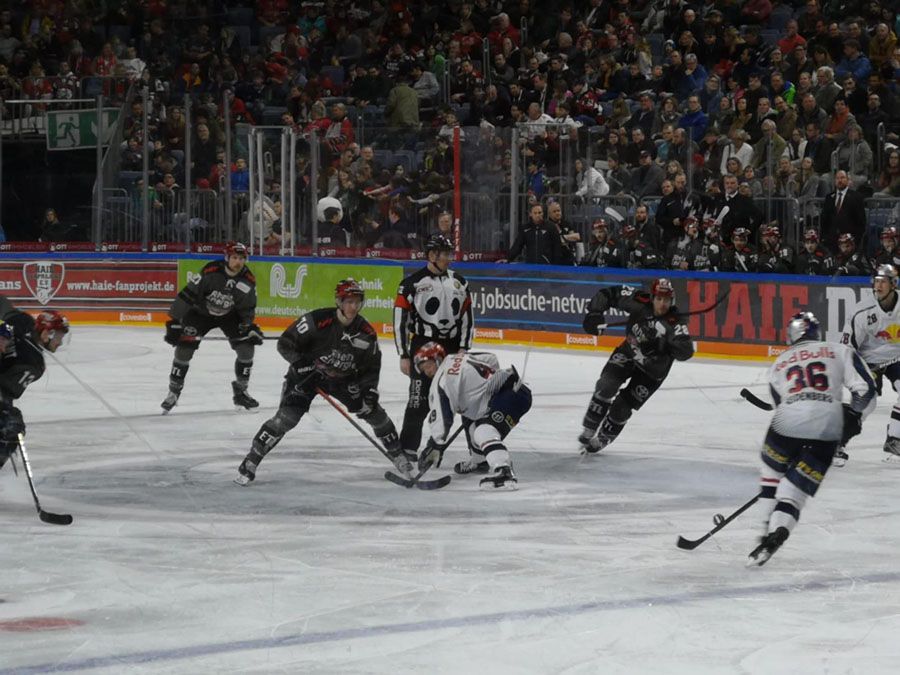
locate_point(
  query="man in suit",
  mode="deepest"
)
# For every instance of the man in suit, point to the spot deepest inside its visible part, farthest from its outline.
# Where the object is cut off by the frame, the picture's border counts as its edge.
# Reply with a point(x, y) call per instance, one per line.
point(742, 212)
point(844, 212)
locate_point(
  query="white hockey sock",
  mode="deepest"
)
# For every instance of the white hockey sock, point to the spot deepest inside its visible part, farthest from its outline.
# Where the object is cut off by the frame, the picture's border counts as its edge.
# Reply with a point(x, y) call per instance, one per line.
point(893, 428)
point(768, 485)
point(790, 500)
point(497, 455)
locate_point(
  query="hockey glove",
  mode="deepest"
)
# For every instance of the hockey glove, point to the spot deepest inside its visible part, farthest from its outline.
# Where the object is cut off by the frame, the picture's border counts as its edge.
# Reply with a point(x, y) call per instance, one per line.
point(11, 424)
point(250, 332)
point(432, 455)
point(403, 460)
point(369, 402)
point(306, 373)
point(594, 323)
point(174, 331)
point(852, 424)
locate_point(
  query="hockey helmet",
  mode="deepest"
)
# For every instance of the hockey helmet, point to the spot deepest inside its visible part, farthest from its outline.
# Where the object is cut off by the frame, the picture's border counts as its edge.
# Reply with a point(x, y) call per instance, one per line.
point(438, 242)
point(629, 231)
point(690, 221)
point(811, 235)
point(772, 231)
point(6, 331)
point(710, 224)
point(802, 326)
point(600, 224)
point(886, 271)
point(54, 323)
point(740, 233)
point(890, 232)
point(348, 288)
point(430, 351)
point(236, 248)
point(663, 288)
point(846, 238)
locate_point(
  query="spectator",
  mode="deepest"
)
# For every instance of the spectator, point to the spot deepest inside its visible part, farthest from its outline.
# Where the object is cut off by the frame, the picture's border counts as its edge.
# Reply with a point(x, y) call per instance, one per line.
point(738, 148)
point(827, 89)
point(402, 110)
point(872, 118)
point(695, 120)
point(792, 38)
point(568, 237)
point(882, 45)
point(853, 96)
point(855, 156)
point(647, 179)
point(340, 132)
point(53, 229)
point(843, 212)
point(854, 63)
point(839, 121)
point(769, 149)
point(591, 183)
point(818, 148)
point(425, 84)
point(806, 181)
point(889, 180)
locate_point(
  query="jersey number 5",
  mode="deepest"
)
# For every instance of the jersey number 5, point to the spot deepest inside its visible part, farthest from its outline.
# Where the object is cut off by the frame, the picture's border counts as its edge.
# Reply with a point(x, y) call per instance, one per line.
point(812, 376)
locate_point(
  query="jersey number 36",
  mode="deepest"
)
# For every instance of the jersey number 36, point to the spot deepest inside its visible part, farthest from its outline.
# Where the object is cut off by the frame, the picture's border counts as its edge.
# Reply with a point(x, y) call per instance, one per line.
point(813, 375)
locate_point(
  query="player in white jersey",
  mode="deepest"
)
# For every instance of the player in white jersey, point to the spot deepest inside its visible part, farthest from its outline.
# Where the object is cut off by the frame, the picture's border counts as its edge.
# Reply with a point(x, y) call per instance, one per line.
point(490, 400)
point(874, 332)
point(806, 382)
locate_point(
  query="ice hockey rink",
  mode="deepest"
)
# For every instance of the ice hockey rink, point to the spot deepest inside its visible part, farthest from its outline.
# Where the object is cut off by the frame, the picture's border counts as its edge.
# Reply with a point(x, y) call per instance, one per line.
point(322, 566)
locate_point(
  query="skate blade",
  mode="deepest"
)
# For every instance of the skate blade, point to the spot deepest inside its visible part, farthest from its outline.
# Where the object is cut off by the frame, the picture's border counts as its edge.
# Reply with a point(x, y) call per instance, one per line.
point(249, 411)
point(509, 486)
point(242, 480)
point(838, 462)
point(891, 458)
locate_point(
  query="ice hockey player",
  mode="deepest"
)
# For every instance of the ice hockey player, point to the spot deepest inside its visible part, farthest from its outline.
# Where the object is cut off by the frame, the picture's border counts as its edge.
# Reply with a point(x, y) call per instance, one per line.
point(334, 349)
point(655, 337)
point(809, 422)
point(634, 253)
point(491, 402)
point(774, 256)
point(681, 252)
point(872, 331)
point(709, 259)
point(848, 261)
point(887, 253)
point(432, 305)
point(603, 247)
point(22, 342)
point(223, 296)
point(813, 258)
point(740, 256)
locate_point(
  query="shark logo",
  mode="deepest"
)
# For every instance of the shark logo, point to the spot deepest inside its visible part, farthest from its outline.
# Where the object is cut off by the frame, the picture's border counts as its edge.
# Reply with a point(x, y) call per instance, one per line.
point(278, 286)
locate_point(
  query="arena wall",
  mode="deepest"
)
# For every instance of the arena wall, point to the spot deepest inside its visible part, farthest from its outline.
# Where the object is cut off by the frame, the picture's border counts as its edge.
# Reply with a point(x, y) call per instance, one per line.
point(513, 304)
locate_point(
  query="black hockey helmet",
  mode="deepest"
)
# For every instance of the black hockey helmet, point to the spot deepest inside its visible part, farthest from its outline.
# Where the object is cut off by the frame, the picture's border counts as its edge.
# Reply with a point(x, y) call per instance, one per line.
point(6, 331)
point(348, 288)
point(438, 242)
point(803, 326)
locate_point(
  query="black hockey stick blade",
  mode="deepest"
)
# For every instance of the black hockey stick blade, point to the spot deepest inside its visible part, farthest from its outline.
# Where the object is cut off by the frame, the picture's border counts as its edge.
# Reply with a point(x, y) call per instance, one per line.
point(55, 518)
point(415, 481)
point(755, 400)
point(691, 544)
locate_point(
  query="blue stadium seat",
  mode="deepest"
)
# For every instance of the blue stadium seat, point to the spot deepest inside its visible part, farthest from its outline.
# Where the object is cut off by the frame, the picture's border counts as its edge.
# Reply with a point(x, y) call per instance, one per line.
point(384, 157)
point(272, 114)
point(91, 87)
point(406, 158)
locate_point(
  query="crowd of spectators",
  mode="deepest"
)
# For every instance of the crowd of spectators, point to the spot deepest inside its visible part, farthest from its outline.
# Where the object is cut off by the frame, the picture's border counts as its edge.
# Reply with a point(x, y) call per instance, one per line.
point(697, 108)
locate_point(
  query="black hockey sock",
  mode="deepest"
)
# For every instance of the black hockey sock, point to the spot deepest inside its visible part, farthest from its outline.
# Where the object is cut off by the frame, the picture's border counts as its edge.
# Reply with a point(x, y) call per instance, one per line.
point(611, 429)
point(177, 375)
point(596, 411)
point(265, 439)
point(242, 373)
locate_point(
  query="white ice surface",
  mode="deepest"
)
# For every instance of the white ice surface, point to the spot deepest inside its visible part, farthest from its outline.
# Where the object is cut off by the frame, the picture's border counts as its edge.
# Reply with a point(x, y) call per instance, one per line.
point(322, 566)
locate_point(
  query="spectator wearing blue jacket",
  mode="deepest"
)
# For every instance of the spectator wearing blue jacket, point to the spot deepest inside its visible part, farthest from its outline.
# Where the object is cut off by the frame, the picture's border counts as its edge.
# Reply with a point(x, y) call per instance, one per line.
point(240, 176)
point(853, 63)
point(692, 79)
point(694, 121)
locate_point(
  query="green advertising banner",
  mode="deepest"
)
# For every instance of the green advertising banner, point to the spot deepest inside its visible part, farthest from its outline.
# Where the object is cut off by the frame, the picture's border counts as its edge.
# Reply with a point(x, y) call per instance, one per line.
point(290, 289)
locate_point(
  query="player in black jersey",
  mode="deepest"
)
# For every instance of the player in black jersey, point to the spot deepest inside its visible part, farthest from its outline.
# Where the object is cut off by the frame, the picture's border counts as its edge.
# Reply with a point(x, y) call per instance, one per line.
point(22, 342)
point(334, 349)
point(223, 296)
point(433, 305)
point(655, 336)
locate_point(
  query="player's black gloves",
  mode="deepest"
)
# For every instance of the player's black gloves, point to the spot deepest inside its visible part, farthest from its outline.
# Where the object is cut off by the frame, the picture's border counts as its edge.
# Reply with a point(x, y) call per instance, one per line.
point(852, 424)
point(250, 332)
point(594, 323)
point(369, 402)
point(174, 331)
point(11, 423)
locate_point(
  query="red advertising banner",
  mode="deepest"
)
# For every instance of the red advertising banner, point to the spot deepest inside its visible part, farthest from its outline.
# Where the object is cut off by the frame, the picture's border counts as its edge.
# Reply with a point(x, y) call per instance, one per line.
point(82, 284)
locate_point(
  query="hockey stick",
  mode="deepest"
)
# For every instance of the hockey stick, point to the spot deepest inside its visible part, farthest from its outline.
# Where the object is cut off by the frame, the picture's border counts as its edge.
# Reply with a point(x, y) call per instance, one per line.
point(719, 300)
point(46, 516)
point(720, 521)
point(415, 481)
point(424, 485)
point(756, 400)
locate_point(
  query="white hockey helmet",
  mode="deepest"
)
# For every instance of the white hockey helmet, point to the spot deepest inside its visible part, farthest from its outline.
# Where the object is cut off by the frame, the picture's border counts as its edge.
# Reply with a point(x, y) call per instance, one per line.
point(803, 326)
point(886, 271)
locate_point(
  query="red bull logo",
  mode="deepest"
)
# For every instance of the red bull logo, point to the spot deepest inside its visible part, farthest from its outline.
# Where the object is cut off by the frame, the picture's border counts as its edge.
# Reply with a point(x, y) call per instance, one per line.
point(889, 334)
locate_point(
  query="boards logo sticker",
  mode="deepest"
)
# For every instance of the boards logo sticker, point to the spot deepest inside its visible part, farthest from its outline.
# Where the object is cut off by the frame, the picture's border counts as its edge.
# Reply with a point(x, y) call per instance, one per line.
point(43, 278)
point(280, 287)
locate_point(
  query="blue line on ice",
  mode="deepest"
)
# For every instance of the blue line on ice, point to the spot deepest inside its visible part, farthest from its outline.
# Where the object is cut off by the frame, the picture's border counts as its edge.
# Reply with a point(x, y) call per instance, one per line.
point(214, 648)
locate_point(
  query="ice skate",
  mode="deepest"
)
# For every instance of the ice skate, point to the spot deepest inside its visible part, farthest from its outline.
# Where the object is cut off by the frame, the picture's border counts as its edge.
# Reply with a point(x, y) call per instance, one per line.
point(471, 465)
point(241, 398)
point(593, 445)
point(767, 547)
point(170, 401)
point(246, 473)
point(892, 450)
point(501, 479)
point(840, 457)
